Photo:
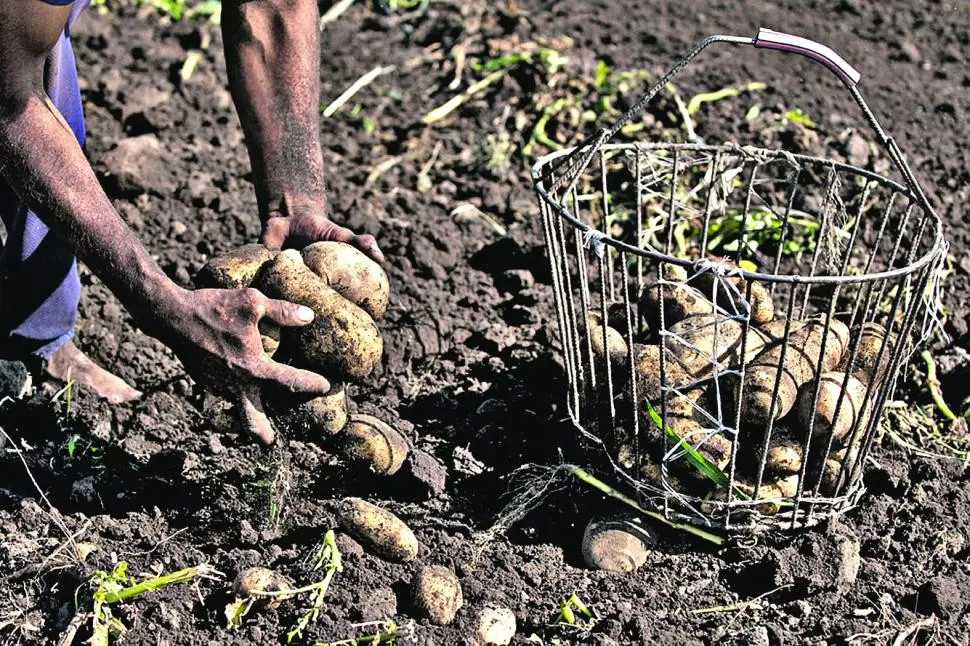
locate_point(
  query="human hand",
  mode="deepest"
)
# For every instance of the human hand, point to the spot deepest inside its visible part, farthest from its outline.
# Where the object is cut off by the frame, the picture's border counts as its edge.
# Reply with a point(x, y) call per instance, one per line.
point(214, 333)
point(307, 226)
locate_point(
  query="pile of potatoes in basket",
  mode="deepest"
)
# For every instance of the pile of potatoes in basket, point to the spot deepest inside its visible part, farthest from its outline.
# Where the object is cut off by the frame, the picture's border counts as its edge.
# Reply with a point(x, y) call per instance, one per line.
point(698, 333)
point(347, 291)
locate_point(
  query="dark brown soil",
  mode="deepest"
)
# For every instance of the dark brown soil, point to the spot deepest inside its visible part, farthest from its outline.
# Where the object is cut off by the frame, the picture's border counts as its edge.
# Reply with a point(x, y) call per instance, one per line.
point(470, 372)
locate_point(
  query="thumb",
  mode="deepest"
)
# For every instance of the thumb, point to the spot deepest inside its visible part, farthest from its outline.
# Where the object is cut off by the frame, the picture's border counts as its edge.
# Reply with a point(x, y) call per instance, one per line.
point(253, 419)
point(287, 314)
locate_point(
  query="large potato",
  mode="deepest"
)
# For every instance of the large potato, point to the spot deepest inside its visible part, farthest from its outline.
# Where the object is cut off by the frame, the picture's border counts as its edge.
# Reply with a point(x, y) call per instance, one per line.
point(350, 273)
point(868, 368)
point(837, 410)
point(679, 302)
point(378, 530)
point(715, 288)
point(236, 269)
point(343, 341)
point(615, 546)
point(700, 340)
point(804, 350)
point(369, 440)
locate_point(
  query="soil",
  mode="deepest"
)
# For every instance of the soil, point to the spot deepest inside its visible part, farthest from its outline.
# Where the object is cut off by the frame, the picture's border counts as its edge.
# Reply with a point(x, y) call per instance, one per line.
point(471, 372)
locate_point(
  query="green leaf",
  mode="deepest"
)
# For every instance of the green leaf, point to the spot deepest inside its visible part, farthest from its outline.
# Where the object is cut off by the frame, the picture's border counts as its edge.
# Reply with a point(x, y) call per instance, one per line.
point(699, 462)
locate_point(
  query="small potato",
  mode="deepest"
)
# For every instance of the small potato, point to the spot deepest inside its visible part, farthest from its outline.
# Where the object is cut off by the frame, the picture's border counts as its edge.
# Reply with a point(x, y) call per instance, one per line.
point(872, 337)
point(378, 530)
point(495, 625)
point(269, 334)
point(437, 594)
point(369, 440)
point(836, 413)
point(679, 302)
point(684, 419)
point(615, 344)
point(715, 287)
point(260, 579)
point(784, 456)
point(788, 485)
point(343, 341)
point(327, 414)
point(236, 269)
point(350, 273)
point(614, 546)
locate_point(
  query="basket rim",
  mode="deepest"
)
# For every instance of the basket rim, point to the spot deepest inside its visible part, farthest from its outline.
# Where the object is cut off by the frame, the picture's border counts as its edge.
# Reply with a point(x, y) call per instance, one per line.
point(930, 256)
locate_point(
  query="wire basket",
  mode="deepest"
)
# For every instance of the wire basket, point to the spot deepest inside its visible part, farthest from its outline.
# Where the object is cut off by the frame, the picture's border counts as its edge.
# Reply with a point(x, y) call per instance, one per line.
point(733, 318)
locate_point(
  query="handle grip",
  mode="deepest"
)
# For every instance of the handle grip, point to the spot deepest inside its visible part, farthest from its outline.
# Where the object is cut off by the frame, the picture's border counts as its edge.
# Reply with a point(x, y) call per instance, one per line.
point(770, 39)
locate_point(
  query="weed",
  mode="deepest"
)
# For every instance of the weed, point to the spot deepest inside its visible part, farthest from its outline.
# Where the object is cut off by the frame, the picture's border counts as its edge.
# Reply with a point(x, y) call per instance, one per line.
point(568, 609)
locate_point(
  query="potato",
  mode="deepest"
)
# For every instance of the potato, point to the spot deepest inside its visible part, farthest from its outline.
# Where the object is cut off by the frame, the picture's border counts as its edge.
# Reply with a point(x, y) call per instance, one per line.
point(704, 335)
point(872, 336)
point(236, 269)
point(615, 344)
point(716, 287)
point(834, 474)
point(350, 273)
point(343, 341)
point(784, 455)
point(646, 362)
point(323, 416)
point(269, 334)
point(679, 302)
point(437, 593)
point(801, 360)
point(614, 546)
point(684, 419)
point(827, 420)
point(495, 625)
point(378, 530)
point(369, 440)
point(260, 579)
point(788, 486)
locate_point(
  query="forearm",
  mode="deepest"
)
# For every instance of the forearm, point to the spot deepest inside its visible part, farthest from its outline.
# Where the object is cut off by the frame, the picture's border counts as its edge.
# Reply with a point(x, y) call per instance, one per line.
point(43, 163)
point(273, 61)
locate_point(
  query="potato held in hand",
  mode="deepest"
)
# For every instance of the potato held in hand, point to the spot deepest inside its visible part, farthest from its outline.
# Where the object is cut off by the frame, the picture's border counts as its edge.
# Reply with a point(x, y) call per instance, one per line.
point(350, 273)
point(343, 342)
point(236, 269)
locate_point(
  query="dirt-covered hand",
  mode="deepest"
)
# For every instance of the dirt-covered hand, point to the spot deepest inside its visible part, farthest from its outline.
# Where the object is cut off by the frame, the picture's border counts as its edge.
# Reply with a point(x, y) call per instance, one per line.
point(299, 230)
point(214, 333)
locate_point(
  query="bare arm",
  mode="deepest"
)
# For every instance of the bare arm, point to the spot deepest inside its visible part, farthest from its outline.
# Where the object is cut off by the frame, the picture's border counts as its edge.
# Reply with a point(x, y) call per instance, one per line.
point(212, 331)
point(273, 61)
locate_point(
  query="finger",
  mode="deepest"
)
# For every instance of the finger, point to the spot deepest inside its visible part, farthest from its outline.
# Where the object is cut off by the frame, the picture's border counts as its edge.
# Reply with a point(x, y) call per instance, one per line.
point(287, 314)
point(368, 244)
point(278, 376)
point(253, 418)
point(275, 233)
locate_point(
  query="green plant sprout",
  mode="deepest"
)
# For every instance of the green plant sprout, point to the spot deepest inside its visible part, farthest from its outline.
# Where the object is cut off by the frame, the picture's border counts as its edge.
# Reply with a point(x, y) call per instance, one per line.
point(116, 586)
point(568, 608)
point(325, 557)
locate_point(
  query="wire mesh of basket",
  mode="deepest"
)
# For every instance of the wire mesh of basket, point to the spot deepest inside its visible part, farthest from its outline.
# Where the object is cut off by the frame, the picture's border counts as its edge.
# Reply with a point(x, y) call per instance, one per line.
point(732, 318)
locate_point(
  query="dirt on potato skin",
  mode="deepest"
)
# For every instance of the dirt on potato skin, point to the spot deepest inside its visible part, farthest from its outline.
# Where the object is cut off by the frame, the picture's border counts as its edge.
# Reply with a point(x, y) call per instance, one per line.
point(470, 372)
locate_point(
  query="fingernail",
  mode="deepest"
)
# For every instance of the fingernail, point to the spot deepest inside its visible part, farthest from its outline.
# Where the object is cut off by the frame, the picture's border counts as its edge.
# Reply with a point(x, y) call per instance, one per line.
point(304, 313)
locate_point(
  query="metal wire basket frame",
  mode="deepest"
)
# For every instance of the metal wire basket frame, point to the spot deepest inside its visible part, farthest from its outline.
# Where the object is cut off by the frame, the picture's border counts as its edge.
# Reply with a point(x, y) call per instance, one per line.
point(882, 271)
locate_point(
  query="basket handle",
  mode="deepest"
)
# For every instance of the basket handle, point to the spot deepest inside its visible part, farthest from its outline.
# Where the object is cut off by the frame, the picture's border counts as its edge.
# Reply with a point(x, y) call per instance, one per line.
point(572, 166)
point(770, 39)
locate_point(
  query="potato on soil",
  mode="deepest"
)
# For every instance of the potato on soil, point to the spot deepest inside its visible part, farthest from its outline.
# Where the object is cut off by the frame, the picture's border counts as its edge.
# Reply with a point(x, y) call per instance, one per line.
point(350, 273)
point(236, 269)
point(377, 530)
point(804, 349)
point(615, 344)
point(322, 416)
point(715, 287)
point(437, 593)
point(495, 625)
point(837, 411)
point(614, 546)
point(343, 341)
point(679, 302)
point(872, 336)
point(368, 440)
point(260, 579)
